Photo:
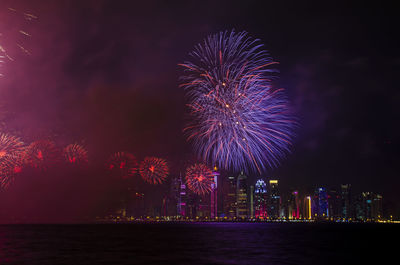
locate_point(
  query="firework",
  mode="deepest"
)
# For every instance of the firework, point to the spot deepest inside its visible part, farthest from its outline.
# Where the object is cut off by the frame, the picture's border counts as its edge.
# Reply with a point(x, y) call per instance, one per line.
point(5, 178)
point(11, 150)
point(76, 154)
point(199, 178)
point(123, 165)
point(12, 40)
point(237, 120)
point(154, 170)
point(42, 154)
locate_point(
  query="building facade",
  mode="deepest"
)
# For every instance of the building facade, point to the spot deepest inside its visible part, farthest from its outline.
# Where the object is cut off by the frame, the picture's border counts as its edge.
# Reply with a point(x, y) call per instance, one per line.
point(242, 210)
point(260, 200)
point(274, 200)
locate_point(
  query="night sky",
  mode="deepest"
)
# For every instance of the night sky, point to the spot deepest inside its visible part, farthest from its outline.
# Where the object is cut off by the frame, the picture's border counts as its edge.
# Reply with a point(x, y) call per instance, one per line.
point(105, 73)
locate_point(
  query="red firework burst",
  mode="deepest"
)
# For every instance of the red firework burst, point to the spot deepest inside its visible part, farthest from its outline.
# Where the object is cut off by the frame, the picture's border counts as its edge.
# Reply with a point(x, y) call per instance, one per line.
point(11, 148)
point(199, 178)
point(154, 170)
point(76, 154)
point(42, 154)
point(123, 165)
point(5, 178)
point(11, 151)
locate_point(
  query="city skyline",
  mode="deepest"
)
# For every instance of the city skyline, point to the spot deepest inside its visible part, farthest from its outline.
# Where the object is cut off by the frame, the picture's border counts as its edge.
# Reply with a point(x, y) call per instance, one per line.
point(199, 132)
point(109, 81)
point(238, 199)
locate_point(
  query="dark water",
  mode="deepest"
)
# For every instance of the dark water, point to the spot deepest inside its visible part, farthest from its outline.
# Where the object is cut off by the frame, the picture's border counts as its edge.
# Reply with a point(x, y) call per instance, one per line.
point(199, 243)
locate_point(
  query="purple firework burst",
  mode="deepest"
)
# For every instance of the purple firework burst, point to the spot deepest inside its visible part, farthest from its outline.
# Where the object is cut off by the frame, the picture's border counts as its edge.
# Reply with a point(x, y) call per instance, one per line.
point(237, 120)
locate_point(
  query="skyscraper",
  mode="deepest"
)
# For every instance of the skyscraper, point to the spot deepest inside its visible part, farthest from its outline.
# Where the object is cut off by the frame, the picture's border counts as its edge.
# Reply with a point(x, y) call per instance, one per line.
point(181, 202)
point(274, 199)
point(293, 205)
point(251, 203)
point(346, 201)
point(308, 207)
point(229, 194)
point(322, 202)
point(241, 197)
point(334, 204)
point(260, 199)
point(369, 206)
point(214, 195)
point(377, 212)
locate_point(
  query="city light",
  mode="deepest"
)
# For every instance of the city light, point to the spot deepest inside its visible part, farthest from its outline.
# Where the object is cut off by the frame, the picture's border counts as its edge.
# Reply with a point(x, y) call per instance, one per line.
point(309, 207)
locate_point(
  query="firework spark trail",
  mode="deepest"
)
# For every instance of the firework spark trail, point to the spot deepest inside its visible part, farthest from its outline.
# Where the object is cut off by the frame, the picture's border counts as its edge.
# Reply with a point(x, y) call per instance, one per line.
point(123, 165)
point(76, 154)
point(42, 154)
point(199, 178)
point(11, 151)
point(5, 53)
point(238, 121)
point(154, 170)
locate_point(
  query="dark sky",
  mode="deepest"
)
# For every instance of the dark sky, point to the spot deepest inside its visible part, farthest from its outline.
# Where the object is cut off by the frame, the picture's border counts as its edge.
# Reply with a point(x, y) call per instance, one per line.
point(105, 72)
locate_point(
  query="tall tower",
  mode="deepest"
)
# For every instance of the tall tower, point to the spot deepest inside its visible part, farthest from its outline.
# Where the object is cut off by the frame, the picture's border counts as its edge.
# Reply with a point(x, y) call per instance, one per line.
point(322, 202)
point(346, 201)
point(367, 198)
point(181, 202)
point(308, 208)
point(251, 208)
point(377, 207)
point(214, 194)
point(230, 202)
point(274, 199)
point(294, 206)
point(241, 196)
point(260, 199)
point(334, 205)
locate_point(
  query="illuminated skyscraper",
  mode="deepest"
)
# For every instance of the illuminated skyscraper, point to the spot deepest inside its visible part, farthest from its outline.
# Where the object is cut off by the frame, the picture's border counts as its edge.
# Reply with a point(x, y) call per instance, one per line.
point(229, 193)
point(334, 204)
point(308, 214)
point(274, 199)
point(377, 212)
point(251, 204)
point(241, 196)
point(346, 201)
point(214, 194)
point(367, 203)
point(203, 206)
point(369, 206)
point(293, 205)
point(321, 202)
point(181, 202)
point(260, 199)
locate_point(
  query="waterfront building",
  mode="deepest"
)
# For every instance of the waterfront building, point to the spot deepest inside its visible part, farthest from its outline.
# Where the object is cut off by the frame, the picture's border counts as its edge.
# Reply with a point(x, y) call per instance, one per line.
point(321, 202)
point(369, 206)
point(182, 196)
point(251, 203)
point(203, 206)
point(274, 200)
point(346, 211)
point(241, 197)
point(229, 195)
point(214, 195)
point(377, 212)
point(260, 199)
point(308, 214)
point(334, 204)
point(293, 205)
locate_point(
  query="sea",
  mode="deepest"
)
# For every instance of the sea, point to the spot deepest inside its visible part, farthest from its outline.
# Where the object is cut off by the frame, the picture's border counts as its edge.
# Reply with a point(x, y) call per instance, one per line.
point(200, 243)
